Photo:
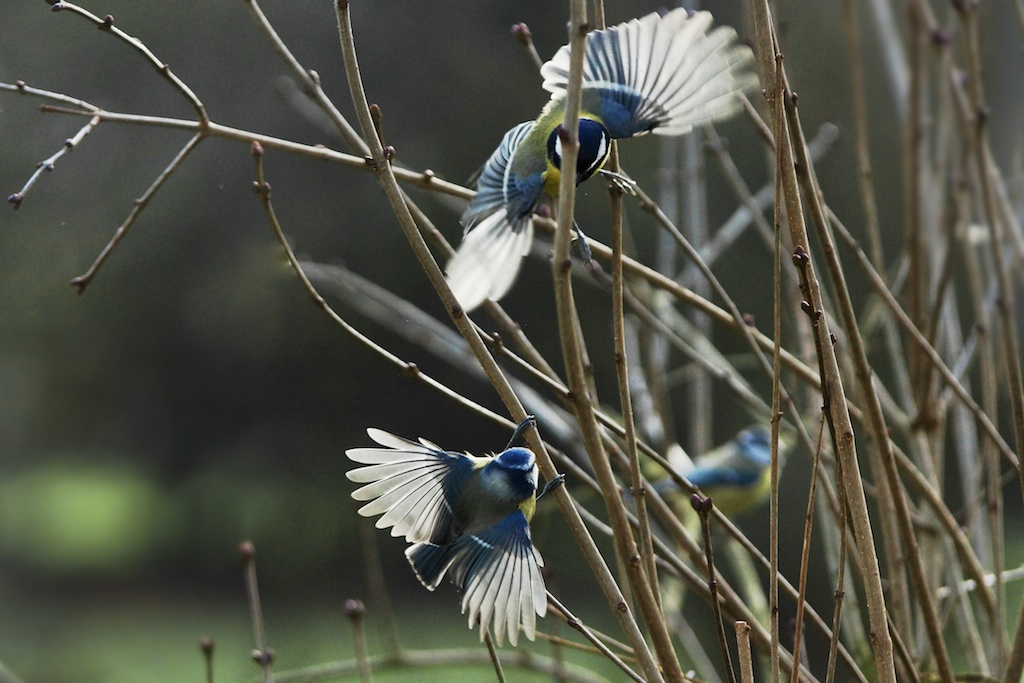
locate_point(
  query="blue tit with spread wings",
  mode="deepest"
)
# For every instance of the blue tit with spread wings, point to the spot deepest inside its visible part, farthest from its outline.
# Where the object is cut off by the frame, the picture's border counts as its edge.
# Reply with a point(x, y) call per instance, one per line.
point(658, 74)
point(468, 517)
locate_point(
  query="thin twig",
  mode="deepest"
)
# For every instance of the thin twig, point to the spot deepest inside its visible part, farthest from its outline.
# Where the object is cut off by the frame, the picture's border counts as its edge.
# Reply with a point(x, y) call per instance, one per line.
point(426, 179)
point(865, 178)
point(702, 506)
point(865, 174)
point(580, 647)
point(886, 27)
point(916, 176)
point(263, 191)
point(985, 507)
point(805, 551)
point(521, 32)
point(262, 655)
point(80, 106)
point(48, 164)
point(694, 222)
point(576, 623)
point(83, 280)
point(432, 335)
point(206, 648)
point(743, 648)
point(904, 657)
point(355, 610)
point(380, 599)
point(945, 518)
point(621, 359)
point(1015, 574)
point(493, 652)
point(107, 24)
point(778, 132)
point(840, 591)
point(309, 80)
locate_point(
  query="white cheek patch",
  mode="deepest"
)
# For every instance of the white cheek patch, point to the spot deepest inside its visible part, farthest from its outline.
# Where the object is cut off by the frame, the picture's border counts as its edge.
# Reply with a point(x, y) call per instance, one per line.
point(558, 149)
point(602, 151)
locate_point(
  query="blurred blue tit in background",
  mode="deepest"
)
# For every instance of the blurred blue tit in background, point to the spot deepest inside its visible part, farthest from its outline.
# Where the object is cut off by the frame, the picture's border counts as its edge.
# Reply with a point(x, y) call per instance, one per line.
point(735, 475)
point(467, 516)
point(660, 74)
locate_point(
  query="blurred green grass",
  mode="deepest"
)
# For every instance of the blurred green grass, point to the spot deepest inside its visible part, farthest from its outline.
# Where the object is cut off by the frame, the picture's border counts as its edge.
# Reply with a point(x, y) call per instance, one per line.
point(117, 638)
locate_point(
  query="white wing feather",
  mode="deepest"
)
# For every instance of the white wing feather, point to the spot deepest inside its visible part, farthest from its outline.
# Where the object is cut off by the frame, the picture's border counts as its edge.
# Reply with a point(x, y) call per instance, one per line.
point(404, 484)
point(500, 571)
point(488, 260)
point(684, 72)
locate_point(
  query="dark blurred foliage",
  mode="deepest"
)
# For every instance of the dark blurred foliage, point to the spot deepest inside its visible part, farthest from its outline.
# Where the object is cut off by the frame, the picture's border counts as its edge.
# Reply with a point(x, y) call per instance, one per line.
point(192, 397)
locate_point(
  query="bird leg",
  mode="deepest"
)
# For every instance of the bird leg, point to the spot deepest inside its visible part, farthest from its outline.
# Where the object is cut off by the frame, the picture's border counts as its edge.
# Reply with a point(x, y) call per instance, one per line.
point(624, 183)
point(581, 243)
point(554, 483)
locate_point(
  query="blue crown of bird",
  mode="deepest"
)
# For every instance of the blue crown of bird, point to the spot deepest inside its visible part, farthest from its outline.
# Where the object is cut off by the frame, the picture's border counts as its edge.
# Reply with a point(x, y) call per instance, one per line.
point(656, 74)
point(466, 516)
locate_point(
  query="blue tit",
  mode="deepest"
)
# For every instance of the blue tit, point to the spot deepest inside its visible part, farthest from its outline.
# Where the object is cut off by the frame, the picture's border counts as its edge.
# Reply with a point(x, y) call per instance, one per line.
point(660, 74)
point(467, 516)
point(736, 474)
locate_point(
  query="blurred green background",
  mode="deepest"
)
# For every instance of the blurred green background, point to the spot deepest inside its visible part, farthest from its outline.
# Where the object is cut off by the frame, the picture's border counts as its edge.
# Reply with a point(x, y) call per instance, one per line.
point(192, 397)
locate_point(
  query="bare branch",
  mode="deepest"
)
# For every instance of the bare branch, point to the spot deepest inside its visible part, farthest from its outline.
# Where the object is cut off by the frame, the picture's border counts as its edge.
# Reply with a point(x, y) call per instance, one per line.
point(48, 164)
point(107, 24)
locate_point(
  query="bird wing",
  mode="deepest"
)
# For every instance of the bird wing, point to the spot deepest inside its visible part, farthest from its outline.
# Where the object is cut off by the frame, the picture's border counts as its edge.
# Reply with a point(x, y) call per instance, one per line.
point(738, 462)
point(500, 571)
point(498, 226)
point(487, 262)
point(660, 74)
point(491, 190)
point(706, 478)
point(408, 483)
